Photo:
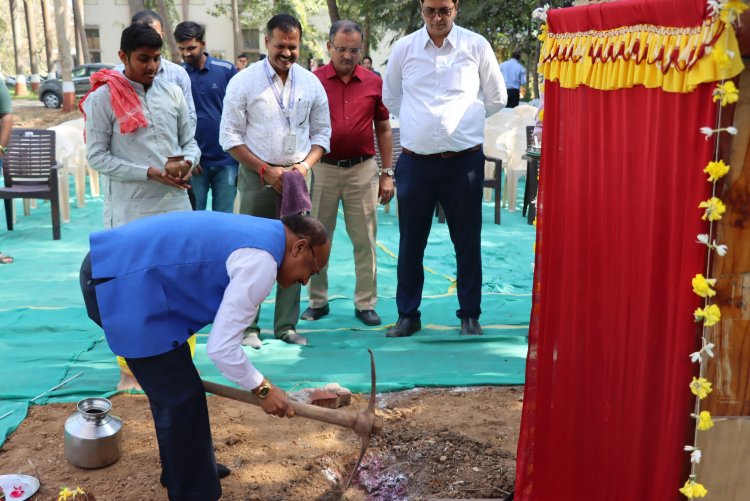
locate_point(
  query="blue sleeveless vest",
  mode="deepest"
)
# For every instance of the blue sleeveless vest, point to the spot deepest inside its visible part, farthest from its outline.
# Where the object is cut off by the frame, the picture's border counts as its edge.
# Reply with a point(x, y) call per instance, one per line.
point(168, 274)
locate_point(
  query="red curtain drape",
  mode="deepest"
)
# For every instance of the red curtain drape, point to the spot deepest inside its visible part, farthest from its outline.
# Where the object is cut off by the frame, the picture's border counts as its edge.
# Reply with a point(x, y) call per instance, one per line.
point(607, 404)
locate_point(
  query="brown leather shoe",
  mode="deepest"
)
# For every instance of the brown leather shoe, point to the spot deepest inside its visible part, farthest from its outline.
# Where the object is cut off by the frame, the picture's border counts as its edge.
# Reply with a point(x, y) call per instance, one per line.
point(404, 327)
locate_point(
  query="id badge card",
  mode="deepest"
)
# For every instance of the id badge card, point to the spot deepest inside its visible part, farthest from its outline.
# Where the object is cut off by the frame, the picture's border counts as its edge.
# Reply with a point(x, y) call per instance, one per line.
point(289, 143)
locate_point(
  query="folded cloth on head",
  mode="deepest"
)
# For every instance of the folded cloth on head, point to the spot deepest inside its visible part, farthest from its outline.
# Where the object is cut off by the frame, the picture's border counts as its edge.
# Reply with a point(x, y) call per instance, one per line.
point(125, 102)
point(295, 198)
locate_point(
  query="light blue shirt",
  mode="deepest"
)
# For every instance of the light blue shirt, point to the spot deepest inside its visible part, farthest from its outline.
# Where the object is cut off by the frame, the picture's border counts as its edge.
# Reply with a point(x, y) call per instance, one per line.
point(514, 73)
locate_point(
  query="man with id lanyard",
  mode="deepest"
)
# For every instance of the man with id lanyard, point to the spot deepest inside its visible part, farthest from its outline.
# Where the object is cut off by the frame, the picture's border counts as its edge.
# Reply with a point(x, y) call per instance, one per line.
point(275, 118)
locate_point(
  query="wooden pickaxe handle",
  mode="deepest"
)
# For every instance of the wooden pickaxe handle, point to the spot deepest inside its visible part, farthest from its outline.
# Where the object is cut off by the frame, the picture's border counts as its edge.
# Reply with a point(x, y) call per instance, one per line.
point(353, 421)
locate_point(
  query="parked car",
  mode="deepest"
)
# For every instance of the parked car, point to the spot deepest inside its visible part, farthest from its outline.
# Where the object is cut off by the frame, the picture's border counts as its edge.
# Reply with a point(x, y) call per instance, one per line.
point(10, 82)
point(50, 92)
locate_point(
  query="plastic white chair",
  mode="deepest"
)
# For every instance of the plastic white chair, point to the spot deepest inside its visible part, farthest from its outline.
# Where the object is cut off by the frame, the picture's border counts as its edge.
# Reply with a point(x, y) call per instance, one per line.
point(525, 113)
point(511, 146)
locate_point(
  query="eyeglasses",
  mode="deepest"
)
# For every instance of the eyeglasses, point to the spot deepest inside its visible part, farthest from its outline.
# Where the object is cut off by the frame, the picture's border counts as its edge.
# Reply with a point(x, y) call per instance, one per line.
point(343, 50)
point(316, 271)
point(443, 12)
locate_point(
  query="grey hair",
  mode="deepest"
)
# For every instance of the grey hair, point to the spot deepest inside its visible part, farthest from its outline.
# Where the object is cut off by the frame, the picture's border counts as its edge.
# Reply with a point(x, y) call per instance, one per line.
point(346, 26)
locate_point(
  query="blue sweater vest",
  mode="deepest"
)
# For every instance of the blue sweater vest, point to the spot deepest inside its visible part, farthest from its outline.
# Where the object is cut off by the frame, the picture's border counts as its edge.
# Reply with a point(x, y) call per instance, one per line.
point(168, 274)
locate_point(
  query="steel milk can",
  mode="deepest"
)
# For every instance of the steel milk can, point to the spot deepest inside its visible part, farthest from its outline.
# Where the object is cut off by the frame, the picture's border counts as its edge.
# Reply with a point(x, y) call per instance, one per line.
point(93, 437)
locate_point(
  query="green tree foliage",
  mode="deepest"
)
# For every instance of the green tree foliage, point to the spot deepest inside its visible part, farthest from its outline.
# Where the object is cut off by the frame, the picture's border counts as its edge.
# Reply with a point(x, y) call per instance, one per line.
point(256, 13)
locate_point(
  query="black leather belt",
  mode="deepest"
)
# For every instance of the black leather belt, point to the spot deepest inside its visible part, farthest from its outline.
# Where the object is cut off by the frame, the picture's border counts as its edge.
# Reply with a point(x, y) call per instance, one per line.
point(345, 164)
point(443, 154)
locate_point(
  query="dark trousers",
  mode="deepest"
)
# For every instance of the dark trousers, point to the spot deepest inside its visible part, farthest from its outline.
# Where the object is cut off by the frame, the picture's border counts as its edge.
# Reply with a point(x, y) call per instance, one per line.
point(514, 97)
point(457, 184)
point(178, 405)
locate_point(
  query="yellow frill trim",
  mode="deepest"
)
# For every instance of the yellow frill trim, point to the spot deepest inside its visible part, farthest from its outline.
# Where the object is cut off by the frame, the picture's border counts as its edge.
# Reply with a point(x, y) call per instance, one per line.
point(673, 59)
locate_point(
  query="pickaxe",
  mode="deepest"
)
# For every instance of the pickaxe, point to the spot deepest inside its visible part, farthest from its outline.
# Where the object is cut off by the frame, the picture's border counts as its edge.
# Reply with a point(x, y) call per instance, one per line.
point(364, 423)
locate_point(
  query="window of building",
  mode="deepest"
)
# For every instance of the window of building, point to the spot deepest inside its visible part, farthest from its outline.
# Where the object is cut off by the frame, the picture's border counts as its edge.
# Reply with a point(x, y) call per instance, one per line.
point(251, 42)
point(95, 48)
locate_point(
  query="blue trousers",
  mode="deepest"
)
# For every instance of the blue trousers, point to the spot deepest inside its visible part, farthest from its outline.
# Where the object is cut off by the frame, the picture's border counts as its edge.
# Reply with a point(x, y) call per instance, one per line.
point(222, 181)
point(457, 184)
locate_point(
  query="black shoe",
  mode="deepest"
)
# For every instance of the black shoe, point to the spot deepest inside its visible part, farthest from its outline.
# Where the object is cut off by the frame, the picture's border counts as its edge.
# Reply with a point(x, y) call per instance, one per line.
point(470, 327)
point(315, 313)
point(404, 327)
point(368, 317)
point(222, 470)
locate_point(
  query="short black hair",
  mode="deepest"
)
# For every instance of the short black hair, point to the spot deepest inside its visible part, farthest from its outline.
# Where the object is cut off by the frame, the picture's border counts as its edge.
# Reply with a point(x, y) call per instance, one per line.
point(284, 22)
point(366, 57)
point(187, 30)
point(146, 16)
point(139, 35)
point(346, 26)
point(516, 54)
point(242, 54)
point(307, 227)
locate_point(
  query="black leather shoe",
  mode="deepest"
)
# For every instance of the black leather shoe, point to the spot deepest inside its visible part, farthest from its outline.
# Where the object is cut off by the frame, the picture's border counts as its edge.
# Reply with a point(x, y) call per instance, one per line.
point(368, 317)
point(222, 470)
point(315, 313)
point(404, 327)
point(470, 327)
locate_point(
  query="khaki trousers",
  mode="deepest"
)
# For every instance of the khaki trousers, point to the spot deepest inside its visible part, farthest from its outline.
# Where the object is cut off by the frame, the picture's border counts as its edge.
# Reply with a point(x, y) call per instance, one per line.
point(357, 188)
point(258, 201)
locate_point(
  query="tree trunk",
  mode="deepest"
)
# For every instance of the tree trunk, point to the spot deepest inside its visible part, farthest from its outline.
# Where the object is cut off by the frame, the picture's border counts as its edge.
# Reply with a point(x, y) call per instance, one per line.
point(79, 52)
point(333, 11)
point(366, 35)
point(174, 53)
point(236, 27)
point(80, 25)
point(17, 49)
point(33, 53)
point(62, 14)
point(49, 36)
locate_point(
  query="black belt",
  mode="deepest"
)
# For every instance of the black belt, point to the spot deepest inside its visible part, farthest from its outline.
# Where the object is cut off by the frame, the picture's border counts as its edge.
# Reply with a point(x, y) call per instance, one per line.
point(345, 164)
point(443, 154)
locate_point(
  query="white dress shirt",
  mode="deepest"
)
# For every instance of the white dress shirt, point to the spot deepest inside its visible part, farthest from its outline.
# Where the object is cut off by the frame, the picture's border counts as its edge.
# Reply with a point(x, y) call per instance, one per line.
point(442, 95)
point(252, 116)
point(172, 72)
point(252, 273)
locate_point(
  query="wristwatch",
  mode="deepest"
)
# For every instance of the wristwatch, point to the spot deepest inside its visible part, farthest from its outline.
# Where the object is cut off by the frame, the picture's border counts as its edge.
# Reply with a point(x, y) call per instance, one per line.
point(387, 172)
point(263, 390)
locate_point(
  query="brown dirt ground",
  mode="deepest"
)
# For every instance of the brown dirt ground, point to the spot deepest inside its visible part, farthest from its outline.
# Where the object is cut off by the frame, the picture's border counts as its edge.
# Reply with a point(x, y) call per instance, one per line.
point(442, 443)
point(449, 443)
point(38, 117)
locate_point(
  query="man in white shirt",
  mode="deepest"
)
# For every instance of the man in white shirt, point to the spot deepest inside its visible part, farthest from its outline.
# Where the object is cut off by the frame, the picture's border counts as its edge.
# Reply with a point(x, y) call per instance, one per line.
point(275, 118)
point(221, 268)
point(442, 82)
